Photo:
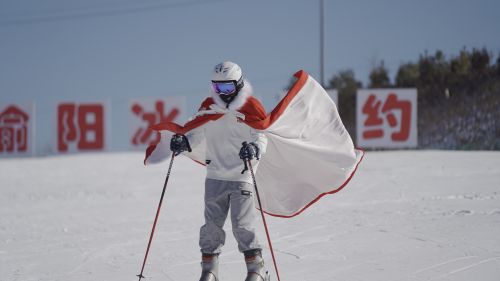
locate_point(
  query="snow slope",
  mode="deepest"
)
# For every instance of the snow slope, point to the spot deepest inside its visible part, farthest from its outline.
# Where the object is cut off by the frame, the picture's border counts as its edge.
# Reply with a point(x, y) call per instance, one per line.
point(406, 215)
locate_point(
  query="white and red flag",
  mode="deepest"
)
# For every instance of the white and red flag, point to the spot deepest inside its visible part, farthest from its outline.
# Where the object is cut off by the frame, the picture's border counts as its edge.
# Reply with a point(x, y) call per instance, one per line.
point(309, 152)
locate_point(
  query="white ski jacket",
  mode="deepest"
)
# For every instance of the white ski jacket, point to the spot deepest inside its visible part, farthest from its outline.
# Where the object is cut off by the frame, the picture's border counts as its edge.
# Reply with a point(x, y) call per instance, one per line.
point(223, 139)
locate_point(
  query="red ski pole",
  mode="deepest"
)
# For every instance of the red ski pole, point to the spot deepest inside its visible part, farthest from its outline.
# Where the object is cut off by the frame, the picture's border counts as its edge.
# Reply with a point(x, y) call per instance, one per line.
point(156, 218)
point(264, 219)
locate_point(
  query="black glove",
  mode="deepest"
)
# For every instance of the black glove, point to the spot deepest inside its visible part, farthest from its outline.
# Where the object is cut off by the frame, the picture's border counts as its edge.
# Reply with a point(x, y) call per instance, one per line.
point(179, 144)
point(248, 151)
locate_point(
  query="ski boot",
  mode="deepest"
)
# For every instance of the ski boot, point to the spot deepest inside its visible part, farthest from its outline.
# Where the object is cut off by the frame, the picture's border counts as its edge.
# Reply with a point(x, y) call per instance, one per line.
point(209, 267)
point(255, 266)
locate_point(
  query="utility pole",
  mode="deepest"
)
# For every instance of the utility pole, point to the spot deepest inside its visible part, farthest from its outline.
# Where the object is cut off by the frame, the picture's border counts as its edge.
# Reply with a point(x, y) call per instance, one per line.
point(322, 41)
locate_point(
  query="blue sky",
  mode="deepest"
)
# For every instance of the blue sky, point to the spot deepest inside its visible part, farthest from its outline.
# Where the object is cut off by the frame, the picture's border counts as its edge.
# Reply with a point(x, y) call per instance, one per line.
point(62, 49)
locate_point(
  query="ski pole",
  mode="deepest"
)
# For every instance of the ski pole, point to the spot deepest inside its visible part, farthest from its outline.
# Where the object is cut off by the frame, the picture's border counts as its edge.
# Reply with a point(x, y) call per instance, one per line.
point(263, 218)
point(156, 218)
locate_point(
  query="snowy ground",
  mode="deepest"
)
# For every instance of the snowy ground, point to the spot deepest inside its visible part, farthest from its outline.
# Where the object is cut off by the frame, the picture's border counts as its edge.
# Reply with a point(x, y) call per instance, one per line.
point(407, 215)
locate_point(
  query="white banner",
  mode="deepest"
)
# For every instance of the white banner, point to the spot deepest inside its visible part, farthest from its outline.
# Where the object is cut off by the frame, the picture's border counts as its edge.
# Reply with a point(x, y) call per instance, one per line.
point(17, 123)
point(386, 118)
point(145, 112)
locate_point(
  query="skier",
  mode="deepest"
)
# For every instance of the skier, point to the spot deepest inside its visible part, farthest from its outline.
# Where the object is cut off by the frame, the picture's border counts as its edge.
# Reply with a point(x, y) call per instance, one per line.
point(301, 147)
point(226, 186)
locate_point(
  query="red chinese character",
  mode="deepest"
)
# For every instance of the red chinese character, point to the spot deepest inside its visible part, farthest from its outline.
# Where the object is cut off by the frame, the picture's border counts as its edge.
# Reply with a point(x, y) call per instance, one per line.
point(13, 130)
point(83, 123)
point(143, 135)
point(371, 108)
point(392, 103)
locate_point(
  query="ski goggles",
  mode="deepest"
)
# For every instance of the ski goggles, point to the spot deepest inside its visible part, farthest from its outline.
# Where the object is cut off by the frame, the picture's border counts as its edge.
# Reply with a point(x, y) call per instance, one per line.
point(224, 87)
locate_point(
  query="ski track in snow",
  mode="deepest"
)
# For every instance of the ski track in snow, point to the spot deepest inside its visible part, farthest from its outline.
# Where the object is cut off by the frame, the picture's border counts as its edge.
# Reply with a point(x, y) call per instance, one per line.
point(406, 215)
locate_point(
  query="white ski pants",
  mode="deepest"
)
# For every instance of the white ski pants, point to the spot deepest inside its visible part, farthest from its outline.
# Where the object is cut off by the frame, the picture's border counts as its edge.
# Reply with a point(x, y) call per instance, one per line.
point(220, 197)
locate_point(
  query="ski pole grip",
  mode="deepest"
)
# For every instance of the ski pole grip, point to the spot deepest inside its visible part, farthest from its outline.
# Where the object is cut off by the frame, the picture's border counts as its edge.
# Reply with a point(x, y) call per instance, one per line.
point(244, 161)
point(188, 144)
point(245, 168)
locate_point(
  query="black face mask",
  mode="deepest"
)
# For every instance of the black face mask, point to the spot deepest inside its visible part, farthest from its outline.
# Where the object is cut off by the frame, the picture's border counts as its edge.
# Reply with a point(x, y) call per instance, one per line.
point(228, 98)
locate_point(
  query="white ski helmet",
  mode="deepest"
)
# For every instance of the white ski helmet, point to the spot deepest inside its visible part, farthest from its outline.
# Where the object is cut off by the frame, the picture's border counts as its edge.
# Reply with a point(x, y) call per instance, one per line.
point(227, 71)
